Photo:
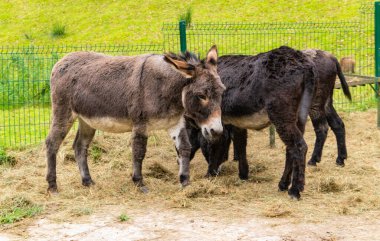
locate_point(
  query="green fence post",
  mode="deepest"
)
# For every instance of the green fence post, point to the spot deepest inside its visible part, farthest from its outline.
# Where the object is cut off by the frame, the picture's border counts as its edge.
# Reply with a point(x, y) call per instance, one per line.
point(182, 35)
point(377, 58)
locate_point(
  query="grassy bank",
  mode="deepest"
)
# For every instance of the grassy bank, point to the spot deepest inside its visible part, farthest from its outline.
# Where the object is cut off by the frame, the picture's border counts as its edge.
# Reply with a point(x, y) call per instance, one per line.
point(76, 22)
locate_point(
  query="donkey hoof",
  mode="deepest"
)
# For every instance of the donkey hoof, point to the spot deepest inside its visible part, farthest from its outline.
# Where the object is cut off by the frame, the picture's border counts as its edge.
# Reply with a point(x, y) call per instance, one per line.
point(184, 180)
point(294, 193)
point(52, 191)
point(282, 186)
point(340, 162)
point(243, 176)
point(312, 163)
point(87, 182)
point(212, 173)
point(144, 189)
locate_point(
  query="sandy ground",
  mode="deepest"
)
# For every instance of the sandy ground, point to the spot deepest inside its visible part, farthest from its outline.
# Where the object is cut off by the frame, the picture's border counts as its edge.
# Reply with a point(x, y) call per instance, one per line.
point(178, 225)
point(220, 209)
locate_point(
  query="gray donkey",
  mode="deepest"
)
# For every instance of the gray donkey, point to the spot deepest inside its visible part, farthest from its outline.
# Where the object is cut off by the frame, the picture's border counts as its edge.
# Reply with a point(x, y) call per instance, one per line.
point(132, 93)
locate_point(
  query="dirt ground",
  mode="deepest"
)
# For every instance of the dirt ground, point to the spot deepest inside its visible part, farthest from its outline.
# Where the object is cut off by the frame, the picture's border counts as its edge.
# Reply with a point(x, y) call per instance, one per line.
point(337, 204)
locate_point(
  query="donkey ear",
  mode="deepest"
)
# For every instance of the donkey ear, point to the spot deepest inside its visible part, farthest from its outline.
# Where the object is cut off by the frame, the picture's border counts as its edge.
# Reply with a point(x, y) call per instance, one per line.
point(212, 56)
point(184, 68)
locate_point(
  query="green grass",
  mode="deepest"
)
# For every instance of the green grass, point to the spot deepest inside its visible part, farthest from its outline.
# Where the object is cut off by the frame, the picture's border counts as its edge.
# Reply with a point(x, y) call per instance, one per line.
point(59, 30)
point(96, 152)
point(131, 22)
point(16, 209)
point(363, 98)
point(23, 126)
point(187, 16)
point(5, 159)
point(123, 218)
point(25, 78)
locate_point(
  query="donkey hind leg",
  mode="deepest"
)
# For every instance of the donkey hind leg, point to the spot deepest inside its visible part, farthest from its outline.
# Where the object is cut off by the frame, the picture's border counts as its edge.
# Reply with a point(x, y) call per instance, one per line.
point(284, 183)
point(337, 126)
point(318, 118)
point(296, 149)
point(84, 136)
point(239, 139)
point(61, 124)
point(139, 143)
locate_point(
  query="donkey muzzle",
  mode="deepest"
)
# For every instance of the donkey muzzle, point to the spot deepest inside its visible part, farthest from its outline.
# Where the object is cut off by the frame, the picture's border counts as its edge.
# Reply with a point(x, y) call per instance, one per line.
point(212, 129)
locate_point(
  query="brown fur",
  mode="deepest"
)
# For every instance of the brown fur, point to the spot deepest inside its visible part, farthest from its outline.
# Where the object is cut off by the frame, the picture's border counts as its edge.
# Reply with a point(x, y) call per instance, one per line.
point(348, 65)
point(124, 93)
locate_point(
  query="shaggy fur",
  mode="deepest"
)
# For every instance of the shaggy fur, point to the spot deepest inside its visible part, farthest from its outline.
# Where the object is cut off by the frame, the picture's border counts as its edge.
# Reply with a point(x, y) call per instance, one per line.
point(137, 94)
point(322, 114)
point(273, 87)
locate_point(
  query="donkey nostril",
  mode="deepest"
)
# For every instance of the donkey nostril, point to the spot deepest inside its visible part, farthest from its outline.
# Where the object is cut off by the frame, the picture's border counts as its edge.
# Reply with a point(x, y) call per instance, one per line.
point(216, 133)
point(213, 132)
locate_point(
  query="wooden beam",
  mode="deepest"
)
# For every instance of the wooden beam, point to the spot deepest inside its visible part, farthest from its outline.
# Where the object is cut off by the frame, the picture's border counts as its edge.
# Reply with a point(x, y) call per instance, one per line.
point(355, 80)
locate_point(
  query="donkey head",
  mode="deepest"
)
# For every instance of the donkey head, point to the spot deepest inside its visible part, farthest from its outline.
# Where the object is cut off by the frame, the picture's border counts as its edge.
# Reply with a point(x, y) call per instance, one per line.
point(202, 96)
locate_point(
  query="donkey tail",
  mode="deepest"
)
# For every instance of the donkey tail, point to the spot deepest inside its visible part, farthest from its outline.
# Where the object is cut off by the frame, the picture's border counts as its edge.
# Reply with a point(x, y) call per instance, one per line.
point(343, 81)
point(310, 82)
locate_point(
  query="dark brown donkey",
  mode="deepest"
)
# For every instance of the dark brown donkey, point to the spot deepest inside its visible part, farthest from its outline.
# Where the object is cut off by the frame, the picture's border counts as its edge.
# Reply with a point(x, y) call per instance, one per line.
point(322, 114)
point(138, 94)
point(273, 87)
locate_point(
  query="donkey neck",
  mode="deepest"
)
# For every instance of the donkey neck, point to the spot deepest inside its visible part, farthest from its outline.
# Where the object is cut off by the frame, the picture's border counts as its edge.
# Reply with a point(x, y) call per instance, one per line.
point(161, 88)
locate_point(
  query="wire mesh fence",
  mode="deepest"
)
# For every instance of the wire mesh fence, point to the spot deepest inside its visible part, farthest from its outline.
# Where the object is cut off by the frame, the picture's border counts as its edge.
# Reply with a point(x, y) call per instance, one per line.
point(350, 39)
point(25, 87)
point(25, 71)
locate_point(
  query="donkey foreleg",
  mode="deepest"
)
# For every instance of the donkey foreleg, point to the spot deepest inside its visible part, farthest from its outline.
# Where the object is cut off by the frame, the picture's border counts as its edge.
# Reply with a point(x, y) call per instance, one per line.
point(239, 138)
point(183, 147)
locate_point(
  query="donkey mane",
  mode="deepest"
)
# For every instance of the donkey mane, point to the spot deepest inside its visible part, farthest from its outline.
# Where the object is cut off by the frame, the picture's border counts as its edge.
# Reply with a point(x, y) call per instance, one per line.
point(187, 56)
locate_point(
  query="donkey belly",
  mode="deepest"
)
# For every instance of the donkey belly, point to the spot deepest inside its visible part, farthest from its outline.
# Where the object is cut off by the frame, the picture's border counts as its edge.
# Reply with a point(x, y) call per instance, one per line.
point(116, 125)
point(256, 121)
point(108, 124)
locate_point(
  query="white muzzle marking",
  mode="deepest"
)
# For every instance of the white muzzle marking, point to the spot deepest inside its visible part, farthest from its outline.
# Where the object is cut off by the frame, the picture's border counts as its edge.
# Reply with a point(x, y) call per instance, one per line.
point(213, 126)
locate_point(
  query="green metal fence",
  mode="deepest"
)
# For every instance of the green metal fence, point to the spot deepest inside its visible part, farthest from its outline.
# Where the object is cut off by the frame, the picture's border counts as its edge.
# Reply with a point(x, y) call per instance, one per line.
point(25, 71)
point(25, 87)
point(353, 39)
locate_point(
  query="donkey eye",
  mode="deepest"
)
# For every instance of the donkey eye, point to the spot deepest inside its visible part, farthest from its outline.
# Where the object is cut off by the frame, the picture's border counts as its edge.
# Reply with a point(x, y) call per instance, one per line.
point(202, 97)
